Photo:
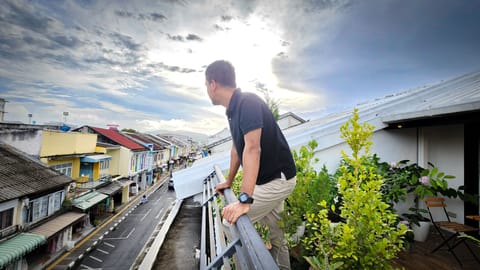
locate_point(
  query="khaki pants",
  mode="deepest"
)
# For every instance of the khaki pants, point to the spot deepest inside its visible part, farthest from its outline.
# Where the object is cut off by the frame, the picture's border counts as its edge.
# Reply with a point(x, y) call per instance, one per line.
point(266, 209)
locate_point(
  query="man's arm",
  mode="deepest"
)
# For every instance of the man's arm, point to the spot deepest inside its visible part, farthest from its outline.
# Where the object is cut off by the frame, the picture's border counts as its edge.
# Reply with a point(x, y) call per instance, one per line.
point(251, 165)
point(251, 160)
point(234, 165)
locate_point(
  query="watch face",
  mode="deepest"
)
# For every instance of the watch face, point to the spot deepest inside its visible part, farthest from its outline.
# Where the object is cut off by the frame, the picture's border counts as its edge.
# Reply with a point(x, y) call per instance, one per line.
point(244, 198)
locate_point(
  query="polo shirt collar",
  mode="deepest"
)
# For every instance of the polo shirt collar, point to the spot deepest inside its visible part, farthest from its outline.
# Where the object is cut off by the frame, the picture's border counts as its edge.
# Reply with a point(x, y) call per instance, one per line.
point(233, 101)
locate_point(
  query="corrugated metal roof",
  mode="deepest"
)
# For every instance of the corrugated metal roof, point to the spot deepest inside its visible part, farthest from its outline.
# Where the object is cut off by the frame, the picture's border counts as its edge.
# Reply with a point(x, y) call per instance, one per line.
point(21, 175)
point(146, 139)
point(117, 137)
point(111, 188)
point(458, 95)
point(50, 228)
point(88, 200)
point(18, 246)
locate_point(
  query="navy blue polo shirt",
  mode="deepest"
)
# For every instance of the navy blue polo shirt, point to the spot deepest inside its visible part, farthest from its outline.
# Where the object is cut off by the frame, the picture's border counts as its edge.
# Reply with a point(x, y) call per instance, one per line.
point(247, 112)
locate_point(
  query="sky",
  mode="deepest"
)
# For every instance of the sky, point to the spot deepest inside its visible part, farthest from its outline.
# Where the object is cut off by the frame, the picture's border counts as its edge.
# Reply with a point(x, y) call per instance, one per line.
point(141, 64)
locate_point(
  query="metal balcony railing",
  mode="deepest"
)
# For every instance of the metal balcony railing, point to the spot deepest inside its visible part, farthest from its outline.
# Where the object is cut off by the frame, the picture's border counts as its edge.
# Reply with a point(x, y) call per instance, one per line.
point(245, 243)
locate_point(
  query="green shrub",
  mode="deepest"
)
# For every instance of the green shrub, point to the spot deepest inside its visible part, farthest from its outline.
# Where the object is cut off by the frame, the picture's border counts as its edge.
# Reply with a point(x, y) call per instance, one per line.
point(369, 238)
point(312, 187)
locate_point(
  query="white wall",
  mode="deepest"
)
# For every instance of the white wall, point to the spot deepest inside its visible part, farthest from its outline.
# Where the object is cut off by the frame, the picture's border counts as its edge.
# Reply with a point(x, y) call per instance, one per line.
point(389, 145)
point(28, 141)
point(442, 146)
point(446, 151)
point(226, 146)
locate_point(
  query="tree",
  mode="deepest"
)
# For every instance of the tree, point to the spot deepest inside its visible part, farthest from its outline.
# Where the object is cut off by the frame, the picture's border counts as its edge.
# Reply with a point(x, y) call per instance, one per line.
point(271, 102)
point(130, 130)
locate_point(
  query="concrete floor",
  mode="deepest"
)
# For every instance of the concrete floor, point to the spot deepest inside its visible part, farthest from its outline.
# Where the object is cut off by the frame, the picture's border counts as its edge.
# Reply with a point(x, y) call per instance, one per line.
point(183, 238)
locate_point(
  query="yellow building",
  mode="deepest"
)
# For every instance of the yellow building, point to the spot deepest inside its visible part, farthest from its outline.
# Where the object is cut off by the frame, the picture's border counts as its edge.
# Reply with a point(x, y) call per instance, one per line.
point(62, 151)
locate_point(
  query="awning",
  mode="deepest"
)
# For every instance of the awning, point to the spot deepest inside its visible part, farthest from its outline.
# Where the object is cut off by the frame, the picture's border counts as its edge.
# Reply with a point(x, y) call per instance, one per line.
point(125, 182)
point(57, 224)
point(95, 158)
point(88, 200)
point(111, 188)
point(18, 246)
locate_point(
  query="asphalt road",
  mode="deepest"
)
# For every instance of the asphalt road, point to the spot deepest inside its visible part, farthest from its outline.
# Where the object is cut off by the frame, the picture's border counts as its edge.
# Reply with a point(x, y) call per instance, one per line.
point(121, 247)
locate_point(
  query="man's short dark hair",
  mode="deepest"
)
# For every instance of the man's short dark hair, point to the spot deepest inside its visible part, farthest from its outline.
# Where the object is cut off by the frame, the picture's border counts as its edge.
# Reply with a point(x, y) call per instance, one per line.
point(221, 72)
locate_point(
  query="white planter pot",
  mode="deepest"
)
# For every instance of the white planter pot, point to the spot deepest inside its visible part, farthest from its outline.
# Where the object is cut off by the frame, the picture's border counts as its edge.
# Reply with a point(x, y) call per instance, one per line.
point(299, 233)
point(420, 233)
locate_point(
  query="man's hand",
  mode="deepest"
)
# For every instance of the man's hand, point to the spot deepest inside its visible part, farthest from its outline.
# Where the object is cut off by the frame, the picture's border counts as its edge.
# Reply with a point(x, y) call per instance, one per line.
point(220, 187)
point(233, 211)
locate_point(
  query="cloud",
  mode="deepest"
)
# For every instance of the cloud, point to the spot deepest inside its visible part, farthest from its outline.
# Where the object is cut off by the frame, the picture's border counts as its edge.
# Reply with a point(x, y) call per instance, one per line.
point(146, 61)
point(189, 37)
point(155, 17)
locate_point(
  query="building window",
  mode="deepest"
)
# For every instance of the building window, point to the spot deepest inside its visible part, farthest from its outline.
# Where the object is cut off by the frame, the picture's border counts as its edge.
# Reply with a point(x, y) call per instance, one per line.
point(6, 218)
point(45, 206)
point(104, 165)
point(65, 168)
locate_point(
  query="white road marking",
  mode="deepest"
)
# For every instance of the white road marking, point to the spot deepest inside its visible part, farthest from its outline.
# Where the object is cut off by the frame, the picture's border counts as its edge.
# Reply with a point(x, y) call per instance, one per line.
point(131, 232)
point(121, 238)
point(103, 251)
point(108, 244)
point(159, 213)
point(95, 258)
point(88, 267)
point(148, 212)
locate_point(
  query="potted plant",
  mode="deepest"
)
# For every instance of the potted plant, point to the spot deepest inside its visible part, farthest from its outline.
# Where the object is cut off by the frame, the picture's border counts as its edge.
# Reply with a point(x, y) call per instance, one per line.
point(424, 183)
point(419, 224)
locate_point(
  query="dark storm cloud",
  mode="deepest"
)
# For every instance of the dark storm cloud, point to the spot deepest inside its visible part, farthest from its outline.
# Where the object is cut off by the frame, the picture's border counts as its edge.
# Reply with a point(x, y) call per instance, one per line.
point(193, 37)
point(226, 18)
point(67, 41)
point(176, 37)
point(171, 68)
point(128, 59)
point(155, 17)
point(124, 14)
point(64, 60)
point(23, 17)
point(189, 37)
point(221, 28)
point(125, 52)
point(36, 39)
point(122, 40)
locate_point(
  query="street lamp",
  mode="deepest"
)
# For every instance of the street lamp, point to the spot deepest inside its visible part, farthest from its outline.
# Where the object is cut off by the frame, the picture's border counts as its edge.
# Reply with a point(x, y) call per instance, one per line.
point(65, 114)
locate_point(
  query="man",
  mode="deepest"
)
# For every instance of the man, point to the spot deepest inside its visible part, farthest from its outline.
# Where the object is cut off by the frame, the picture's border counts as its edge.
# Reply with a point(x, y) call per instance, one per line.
point(262, 150)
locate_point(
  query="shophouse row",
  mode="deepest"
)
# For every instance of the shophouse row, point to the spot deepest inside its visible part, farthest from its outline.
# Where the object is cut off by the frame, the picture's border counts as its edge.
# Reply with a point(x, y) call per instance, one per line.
point(55, 186)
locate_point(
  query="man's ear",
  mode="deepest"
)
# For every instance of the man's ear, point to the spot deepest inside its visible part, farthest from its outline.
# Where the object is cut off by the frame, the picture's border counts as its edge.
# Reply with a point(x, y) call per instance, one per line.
point(213, 85)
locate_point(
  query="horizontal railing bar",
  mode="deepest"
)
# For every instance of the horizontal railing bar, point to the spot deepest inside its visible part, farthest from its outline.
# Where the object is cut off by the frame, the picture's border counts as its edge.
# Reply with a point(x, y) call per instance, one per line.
point(227, 253)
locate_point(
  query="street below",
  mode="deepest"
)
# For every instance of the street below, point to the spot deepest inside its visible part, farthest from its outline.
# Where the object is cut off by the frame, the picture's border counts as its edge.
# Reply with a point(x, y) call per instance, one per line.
point(121, 247)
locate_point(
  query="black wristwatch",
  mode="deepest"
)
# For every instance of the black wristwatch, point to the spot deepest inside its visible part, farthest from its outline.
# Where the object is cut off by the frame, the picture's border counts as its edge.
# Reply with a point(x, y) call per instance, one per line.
point(245, 198)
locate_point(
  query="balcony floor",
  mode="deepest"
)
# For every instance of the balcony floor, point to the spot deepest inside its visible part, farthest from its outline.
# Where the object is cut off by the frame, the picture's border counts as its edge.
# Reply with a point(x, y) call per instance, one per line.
point(419, 256)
